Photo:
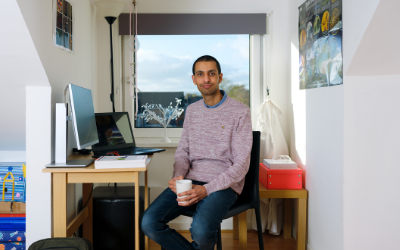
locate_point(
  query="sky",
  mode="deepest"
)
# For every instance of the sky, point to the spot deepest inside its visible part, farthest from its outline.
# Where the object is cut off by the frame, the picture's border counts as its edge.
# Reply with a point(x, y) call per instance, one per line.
point(165, 62)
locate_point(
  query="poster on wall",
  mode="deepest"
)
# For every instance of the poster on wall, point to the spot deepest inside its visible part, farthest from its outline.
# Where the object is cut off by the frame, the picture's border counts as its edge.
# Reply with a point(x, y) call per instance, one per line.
point(62, 25)
point(320, 44)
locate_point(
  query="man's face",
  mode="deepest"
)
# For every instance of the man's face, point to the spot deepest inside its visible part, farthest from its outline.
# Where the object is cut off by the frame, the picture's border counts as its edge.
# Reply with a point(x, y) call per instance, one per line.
point(206, 77)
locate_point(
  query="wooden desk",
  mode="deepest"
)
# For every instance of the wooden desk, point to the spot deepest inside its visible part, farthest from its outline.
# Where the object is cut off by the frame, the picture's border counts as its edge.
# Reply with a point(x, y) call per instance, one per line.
point(240, 231)
point(62, 176)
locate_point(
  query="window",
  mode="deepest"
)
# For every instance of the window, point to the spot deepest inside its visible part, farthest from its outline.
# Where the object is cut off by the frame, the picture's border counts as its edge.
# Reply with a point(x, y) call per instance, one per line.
point(165, 68)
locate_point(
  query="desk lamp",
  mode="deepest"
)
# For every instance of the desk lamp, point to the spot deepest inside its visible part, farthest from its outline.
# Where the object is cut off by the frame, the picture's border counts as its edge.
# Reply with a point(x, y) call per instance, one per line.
point(110, 10)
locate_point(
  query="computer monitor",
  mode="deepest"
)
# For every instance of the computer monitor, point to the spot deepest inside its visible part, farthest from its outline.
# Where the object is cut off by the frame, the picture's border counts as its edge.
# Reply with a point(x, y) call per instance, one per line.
point(83, 123)
point(82, 115)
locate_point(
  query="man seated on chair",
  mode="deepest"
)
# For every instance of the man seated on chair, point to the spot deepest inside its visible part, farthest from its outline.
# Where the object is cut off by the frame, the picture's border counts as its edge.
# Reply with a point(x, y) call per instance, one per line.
point(213, 152)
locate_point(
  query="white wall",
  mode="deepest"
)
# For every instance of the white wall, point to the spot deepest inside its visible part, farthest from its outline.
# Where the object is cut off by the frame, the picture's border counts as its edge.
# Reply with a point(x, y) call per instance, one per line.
point(316, 143)
point(372, 143)
point(25, 112)
point(38, 148)
point(20, 66)
point(371, 132)
point(352, 136)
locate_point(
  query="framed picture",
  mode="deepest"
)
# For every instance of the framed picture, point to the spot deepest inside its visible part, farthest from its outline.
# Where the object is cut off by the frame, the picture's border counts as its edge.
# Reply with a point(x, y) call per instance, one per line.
point(62, 25)
point(320, 44)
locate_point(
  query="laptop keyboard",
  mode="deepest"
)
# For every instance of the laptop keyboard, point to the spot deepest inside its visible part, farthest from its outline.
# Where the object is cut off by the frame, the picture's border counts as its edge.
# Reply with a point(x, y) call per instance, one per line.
point(122, 151)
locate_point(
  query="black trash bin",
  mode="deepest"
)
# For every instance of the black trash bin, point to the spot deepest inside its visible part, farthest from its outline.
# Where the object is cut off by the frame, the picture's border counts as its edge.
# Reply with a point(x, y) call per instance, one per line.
point(114, 217)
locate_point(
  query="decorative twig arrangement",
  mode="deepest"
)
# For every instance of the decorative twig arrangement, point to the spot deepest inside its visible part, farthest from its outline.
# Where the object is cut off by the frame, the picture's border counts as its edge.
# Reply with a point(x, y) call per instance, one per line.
point(174, 112)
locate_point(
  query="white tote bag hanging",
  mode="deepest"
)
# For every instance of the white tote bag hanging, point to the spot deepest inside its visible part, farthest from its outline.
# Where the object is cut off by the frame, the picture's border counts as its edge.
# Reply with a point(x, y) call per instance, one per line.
point(272, 142)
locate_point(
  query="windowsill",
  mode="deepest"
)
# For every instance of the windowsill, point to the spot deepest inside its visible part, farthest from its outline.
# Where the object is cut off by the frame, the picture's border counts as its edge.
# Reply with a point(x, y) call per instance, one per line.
point(154, 142)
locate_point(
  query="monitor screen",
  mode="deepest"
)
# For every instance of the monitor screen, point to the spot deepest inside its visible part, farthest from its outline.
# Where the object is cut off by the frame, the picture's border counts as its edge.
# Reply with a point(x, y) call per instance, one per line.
point(114, 131)
point(82, 114)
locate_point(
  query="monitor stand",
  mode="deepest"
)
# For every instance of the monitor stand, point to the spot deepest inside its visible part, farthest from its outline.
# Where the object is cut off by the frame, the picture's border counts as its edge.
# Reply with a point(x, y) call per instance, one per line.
point(71, 164)
point(61, 142)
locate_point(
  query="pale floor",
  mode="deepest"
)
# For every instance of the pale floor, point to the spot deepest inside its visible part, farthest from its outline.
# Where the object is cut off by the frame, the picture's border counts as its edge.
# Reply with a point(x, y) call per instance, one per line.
point(271, 242)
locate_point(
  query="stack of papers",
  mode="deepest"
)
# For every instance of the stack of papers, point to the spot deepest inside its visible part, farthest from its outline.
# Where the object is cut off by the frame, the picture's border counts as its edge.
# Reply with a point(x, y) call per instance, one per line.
point(280, 164)
point(128, 161)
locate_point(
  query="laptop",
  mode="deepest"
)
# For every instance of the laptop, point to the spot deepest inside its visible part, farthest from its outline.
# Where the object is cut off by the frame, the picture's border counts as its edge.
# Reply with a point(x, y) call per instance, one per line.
point(115, 135)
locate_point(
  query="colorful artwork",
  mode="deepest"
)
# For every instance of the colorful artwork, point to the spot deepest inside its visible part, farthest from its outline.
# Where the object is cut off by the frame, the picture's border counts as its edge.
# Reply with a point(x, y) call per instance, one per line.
point(320, 44)
point(12, 240)
point(62, 30)
point(59, 5)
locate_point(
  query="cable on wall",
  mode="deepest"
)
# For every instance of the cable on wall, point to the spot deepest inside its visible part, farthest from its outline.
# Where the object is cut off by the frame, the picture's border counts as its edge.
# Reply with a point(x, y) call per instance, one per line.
point(134, 46)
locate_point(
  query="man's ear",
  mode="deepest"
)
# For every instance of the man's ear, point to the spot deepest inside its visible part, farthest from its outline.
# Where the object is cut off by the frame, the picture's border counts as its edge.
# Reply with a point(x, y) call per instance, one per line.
point(194, 82)
point(220, 77)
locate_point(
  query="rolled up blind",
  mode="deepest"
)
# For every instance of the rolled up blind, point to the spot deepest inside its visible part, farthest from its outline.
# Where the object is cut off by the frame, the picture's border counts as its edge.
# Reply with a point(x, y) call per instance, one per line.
point(195, 24)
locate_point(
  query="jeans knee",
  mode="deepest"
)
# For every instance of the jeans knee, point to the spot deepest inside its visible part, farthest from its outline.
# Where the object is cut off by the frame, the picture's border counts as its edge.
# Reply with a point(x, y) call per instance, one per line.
point(146, 224)
point(203, 237)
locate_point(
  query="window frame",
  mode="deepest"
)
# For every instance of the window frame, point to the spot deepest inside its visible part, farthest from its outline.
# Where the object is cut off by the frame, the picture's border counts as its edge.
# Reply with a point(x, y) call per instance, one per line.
point(256, 89)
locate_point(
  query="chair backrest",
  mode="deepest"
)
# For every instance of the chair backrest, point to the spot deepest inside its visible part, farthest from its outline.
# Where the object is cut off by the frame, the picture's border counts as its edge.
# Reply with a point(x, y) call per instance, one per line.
point(251, 190)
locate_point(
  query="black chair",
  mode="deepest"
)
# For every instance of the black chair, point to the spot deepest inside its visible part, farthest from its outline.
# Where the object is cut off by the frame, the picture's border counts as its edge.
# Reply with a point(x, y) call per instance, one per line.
point(250, 197)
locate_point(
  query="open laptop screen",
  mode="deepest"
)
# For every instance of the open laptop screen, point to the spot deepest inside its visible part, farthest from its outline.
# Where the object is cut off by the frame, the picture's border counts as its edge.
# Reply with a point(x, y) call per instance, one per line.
point(114, 131)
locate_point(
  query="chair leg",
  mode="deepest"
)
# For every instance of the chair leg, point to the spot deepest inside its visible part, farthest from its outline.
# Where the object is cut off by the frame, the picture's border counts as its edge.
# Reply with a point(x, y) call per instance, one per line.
point(219, 242)
point(259, 229)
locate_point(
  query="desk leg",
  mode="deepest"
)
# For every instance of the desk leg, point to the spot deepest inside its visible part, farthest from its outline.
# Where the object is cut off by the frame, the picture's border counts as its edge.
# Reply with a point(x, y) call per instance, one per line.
point(146, 205)
point(301, 223)
point(243, 231)
point(136, 179)
point(60, 204)
point(287, 232)
point(235, 227)
point(87, 226)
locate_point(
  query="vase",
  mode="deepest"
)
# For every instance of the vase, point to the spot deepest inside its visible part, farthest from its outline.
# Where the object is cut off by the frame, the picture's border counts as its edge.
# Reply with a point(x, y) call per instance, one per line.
point(165, 138)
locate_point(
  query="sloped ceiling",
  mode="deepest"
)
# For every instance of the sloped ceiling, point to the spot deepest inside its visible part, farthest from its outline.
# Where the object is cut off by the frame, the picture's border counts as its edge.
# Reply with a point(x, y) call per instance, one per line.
point(378, 52)
point(19, 61)
point(20, 67)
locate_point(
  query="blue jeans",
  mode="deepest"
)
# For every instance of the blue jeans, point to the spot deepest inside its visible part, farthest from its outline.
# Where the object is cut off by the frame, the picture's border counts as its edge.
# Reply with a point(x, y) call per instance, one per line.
point(204, 229)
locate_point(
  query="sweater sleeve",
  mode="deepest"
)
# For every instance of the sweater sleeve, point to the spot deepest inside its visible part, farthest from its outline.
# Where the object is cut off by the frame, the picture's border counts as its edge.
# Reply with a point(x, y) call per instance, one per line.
point(182, 161)
point(242, 141)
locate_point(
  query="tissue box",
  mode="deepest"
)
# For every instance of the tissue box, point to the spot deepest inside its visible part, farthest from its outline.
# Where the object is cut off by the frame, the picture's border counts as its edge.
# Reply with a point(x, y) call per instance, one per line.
point(273, 164)
point(281, 178)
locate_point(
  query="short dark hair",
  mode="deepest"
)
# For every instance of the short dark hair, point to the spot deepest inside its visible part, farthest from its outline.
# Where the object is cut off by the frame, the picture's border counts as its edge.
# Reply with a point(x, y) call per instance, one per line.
point(206, 58)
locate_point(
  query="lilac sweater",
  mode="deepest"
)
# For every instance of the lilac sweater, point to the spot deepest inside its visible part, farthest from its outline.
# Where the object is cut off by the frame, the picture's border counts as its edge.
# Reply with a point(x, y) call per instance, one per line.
point(215, 145)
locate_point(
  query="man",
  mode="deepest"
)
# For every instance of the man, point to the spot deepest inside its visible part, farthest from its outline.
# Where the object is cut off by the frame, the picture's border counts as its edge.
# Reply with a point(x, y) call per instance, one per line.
point(213, 152)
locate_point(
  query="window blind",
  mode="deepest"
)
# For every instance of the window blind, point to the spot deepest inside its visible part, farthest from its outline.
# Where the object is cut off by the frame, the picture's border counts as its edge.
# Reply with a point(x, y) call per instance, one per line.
point(195, 24)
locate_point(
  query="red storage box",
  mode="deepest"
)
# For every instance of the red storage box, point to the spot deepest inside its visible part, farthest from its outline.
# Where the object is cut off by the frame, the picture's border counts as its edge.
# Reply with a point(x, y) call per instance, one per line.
point(281, 178)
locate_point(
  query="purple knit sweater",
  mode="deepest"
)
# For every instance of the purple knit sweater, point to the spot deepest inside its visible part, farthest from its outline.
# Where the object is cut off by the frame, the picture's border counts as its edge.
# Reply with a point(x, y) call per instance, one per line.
point(215, 145)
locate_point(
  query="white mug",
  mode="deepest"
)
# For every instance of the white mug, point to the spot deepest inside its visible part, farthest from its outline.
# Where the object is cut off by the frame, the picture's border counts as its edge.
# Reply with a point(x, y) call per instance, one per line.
point(182, 186)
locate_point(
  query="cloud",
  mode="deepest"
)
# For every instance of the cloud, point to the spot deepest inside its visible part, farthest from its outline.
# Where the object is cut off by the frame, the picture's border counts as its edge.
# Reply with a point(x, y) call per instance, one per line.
point(166, 65)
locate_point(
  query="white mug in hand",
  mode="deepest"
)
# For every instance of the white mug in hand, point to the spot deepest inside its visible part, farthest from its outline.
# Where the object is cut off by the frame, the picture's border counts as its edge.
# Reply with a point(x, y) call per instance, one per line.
point(182, 186)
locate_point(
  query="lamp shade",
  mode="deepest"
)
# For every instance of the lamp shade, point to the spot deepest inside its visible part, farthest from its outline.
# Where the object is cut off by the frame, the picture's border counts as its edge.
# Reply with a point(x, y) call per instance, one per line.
point(109, 8)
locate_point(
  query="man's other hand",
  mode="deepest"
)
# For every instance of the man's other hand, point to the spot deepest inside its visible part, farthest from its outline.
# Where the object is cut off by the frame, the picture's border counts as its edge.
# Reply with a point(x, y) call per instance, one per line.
point(172, 184)
point(195, 195)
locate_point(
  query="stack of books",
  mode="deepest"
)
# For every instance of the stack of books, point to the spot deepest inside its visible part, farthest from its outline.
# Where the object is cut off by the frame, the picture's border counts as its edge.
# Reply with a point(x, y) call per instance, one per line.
point(126, 161)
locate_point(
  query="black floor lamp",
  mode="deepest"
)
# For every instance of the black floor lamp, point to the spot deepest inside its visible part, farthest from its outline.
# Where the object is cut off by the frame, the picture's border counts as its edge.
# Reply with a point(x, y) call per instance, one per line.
point(110, 10)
